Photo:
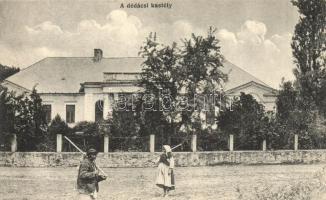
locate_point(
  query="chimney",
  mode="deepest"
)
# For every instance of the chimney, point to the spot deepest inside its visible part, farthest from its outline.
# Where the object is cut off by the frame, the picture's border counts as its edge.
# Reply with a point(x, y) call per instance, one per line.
point(98, 55)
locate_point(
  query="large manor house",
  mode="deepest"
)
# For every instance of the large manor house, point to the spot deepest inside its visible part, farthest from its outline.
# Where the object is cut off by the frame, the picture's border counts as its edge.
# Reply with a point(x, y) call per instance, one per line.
point(74, 87)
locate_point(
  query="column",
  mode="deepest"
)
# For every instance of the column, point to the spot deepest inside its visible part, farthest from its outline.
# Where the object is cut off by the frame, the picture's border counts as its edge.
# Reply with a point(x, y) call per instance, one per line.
point(110, 104)
point(14, 143)
point(106, 143)
point(296, 142)
point(152, 143)
point(231, 142)
point(89, 108)
point(59, 143)
point(106, 106)
point(264, 145)
point(194, 143)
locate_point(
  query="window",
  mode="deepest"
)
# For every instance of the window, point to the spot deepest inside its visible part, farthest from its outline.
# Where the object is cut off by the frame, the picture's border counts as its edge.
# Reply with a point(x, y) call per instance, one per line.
point(99, 110)
point(47, 112)
point(70, 113)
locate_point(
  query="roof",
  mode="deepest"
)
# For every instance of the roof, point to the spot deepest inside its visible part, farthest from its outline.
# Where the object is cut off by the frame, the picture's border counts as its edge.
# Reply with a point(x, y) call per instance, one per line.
point(272, 91)
point(65, 74)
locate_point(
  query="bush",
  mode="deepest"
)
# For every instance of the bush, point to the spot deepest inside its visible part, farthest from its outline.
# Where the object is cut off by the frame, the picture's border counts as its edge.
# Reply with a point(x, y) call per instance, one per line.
point(247, 121)
point(85, 135)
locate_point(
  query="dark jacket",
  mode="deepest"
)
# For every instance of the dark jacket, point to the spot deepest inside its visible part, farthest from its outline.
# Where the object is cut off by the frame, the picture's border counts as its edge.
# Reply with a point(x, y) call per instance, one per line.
point(164, 159)
point(87, 181)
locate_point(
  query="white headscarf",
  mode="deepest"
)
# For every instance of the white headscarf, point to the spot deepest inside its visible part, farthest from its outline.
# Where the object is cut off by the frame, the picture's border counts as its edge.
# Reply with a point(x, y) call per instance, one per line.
point(167, 148)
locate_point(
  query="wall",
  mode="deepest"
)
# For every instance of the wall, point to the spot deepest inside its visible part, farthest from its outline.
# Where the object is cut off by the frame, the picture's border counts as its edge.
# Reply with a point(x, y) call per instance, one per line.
point(259, 93)
point(145, 159)
point(58, 103)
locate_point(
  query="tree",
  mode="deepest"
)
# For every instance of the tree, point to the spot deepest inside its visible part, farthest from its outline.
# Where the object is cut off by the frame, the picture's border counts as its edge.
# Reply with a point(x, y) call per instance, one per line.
point(6, 71)
point(126, 133)
point(159, 75)
point(23, 115)
point(30, 123)
point(286, 101)
point(200, 69)
point(57, 126)
point(173, 75)
point(293, 119)
point(308, 48)
point(7, 115)
point(246, 120)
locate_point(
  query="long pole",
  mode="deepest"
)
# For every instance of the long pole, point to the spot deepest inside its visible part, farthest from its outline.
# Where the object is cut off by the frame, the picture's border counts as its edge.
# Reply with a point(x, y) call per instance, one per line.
point(179, 144)
point(73, 144)
point(176, 146)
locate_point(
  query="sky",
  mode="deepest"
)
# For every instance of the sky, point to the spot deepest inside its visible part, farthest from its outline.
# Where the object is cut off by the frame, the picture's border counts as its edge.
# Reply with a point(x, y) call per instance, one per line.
point(254, 34)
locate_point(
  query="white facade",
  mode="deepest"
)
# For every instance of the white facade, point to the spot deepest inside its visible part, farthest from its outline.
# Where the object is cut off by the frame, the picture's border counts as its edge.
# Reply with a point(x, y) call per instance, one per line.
point(90, 84)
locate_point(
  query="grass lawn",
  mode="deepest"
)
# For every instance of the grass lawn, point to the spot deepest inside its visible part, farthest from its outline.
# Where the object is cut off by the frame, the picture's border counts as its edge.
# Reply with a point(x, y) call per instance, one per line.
point(206, 183)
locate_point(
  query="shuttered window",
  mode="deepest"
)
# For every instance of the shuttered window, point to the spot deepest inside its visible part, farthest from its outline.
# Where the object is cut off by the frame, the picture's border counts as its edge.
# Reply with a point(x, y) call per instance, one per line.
point(70, 113)
point(47, 112)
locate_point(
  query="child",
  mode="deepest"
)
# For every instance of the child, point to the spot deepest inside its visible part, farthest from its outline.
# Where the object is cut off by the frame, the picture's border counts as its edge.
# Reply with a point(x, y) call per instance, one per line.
point(165, 176)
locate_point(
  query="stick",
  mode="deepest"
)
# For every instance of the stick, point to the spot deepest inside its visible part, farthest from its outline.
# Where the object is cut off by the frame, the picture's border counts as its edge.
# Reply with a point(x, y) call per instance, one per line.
point(179, 144)
point(176, 146)
point(73, 144)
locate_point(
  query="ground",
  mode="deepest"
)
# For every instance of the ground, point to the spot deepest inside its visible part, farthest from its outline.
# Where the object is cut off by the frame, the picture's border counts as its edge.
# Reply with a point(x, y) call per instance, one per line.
point(192, 183)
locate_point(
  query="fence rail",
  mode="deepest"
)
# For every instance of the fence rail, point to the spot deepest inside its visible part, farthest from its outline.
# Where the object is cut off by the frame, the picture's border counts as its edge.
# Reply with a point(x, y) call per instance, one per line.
point(106, 143)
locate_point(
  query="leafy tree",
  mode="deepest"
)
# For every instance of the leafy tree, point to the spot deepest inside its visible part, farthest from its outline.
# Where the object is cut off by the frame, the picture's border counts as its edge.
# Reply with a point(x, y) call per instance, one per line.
point(87, 128)
point(201, 74)
point(180, 73)
point(308, 47)
point(30, 124)
point(246, 120)
point(126, 133)
point(286, 101)
point(159, 73)
point(300, 105)
point(23, 115)
point(292, 119)
point(58, 126)
point(6, 71)
point(7, 115)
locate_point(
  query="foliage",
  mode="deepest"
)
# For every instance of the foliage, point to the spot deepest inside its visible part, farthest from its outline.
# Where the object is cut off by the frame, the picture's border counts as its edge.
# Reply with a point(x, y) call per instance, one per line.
point(6, 71)
point(23, 115)
point(308, 47)
point(87, 128)
point(292, 119)
point(7, 115)
point(172, 76)
point(301, 106)
point(30, 123)
point(126, 131)
point(58, 126)
point(246, 120)
point(212, 141)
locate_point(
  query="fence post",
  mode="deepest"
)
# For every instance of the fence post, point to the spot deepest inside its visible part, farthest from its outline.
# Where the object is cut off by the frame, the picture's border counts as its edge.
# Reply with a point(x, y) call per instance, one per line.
point(59, 143)
point(106, 143)
point(231, 142)
point(264, 145)
point(152, 143)
point(296, 142)
point(14, 143)
point(194, 143)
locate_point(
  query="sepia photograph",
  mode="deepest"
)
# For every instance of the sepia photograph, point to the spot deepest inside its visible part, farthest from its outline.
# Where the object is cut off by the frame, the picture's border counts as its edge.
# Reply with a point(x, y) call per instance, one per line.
point(171, 99)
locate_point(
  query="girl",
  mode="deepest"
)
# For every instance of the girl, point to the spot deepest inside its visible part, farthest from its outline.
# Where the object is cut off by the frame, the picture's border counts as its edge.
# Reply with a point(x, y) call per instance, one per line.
point(165, 176)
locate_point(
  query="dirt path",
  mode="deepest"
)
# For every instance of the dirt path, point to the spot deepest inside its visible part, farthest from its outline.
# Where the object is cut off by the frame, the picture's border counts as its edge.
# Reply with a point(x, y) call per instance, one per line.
point(206, 183)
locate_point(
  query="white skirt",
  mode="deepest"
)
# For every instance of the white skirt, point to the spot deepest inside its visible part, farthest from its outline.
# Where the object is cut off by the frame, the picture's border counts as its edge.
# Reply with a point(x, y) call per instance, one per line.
point(164, 179)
